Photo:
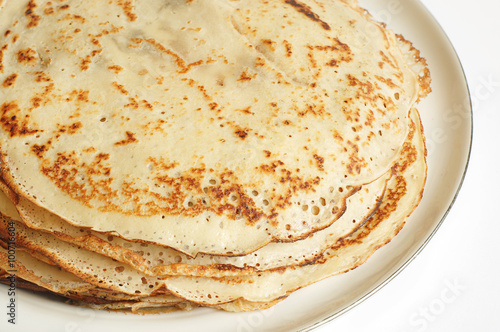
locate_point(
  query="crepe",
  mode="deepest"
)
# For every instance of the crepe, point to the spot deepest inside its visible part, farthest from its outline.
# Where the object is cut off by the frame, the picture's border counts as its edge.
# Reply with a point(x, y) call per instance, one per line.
point(38, 276)
point(156, 260)
point(404, 193)
point(114, 107)
point(163, 155)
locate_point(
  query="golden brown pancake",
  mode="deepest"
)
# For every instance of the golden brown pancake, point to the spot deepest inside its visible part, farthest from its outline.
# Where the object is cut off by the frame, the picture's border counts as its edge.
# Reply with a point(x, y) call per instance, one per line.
point(168, 154)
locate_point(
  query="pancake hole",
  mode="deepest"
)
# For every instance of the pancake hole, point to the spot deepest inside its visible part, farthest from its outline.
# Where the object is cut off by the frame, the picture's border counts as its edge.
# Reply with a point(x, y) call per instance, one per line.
point(396, 95)
point(190, 204)
point(119, 269)
point(305, 207)
point(212, 182)
point(265, 202)
point(288, 227)
point(341, 189)
point(322, 201)
point(255, 193)
point(178, 259)
point(103, 119)
point(205, 190)
point(315, 210)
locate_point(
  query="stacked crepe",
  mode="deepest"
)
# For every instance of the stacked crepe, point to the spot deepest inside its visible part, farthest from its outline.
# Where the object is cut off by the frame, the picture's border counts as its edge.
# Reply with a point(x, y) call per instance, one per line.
point(159, 155)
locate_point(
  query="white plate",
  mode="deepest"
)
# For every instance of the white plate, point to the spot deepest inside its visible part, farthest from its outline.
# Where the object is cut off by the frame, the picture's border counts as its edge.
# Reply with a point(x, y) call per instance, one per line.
point(447, 120)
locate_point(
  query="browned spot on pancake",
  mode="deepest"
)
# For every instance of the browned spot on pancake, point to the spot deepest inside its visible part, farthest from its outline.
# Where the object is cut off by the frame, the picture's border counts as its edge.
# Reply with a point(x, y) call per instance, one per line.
point(11, 123)
point(9, 81)
point(2, 49)
point(48, 10)
point(288, 48)
point(127, 8)
point(355, 162)
point(241, 133)
point(337, 50)
point(245, 76)
point(27, 56)
point(319, 162)
point(191, 65)
point(270, 168)
point(386, 81)
point(120, 88)
point(130, 139)
point(245, 110)
point(269, 43)
point(39, 150)
point(84, 64)
point(307, 11)
point(260, 62)
point(69, 129)
point(42, 77)
point(33, 19)
point(365, 89)
point(133, 103)
point(183, 68)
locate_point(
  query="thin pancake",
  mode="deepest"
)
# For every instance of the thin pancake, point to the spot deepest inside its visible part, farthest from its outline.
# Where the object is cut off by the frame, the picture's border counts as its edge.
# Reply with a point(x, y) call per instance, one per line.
point(136, 123)
point(38, 276)
point(404, 193)
point(157, 260)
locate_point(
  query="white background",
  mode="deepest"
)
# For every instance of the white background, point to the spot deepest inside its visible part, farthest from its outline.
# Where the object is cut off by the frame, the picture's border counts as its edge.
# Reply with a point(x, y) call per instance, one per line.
point(454, 284)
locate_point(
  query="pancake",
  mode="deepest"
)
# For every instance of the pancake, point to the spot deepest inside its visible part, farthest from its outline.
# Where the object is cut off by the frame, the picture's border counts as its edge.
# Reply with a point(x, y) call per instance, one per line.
point(38, 276)
point(157, 260)
point(167, 154)
point(404, 193)
point(156, 123)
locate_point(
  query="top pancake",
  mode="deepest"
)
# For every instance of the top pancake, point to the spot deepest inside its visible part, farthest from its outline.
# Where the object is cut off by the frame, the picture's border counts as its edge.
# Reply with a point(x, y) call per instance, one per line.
point(206, 126)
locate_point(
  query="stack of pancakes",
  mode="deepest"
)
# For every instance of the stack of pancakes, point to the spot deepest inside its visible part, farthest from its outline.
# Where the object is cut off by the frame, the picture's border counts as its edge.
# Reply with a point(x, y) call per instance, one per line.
point(158, 155)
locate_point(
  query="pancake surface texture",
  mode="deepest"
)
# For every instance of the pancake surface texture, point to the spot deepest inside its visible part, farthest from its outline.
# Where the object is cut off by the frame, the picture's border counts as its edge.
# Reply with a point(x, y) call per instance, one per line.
point(169, 154)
